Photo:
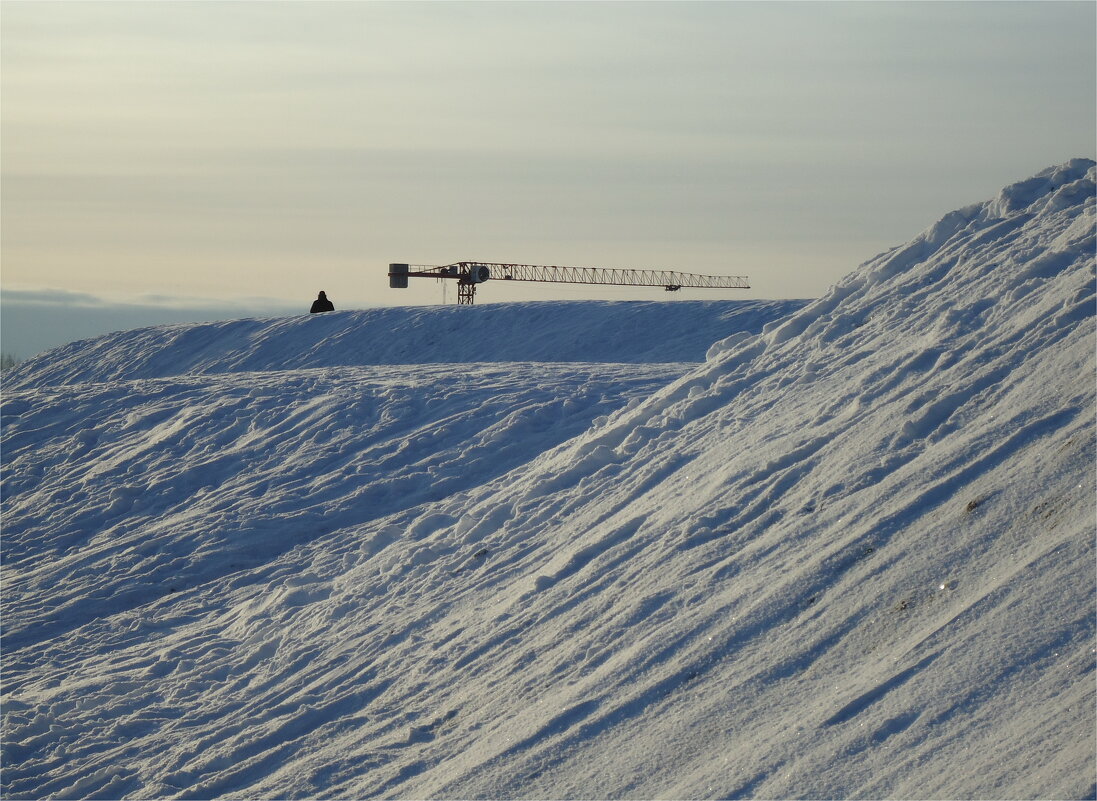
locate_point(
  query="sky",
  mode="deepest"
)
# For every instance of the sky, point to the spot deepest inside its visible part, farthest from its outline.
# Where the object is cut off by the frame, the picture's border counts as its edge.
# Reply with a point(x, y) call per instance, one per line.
point(228, 158)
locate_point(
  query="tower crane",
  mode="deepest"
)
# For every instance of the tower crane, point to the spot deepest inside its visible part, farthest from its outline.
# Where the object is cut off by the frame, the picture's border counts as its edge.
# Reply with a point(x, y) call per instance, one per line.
point(469, 274)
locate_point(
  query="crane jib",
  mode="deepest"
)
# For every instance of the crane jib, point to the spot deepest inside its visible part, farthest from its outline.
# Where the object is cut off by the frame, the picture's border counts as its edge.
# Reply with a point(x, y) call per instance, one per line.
point(470, 273)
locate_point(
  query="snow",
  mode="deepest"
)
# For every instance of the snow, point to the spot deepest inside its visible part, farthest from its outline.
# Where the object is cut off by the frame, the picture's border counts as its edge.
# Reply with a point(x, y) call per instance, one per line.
point(848, 554)
point(576, 331)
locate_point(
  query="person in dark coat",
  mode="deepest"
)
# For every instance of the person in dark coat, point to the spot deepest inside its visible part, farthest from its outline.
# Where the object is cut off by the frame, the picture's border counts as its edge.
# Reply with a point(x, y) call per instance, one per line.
point(321, 304)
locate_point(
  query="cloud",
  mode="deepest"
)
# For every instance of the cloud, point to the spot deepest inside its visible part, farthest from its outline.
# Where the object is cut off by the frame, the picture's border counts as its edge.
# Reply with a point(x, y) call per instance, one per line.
point(64, 297)
point(67, 298)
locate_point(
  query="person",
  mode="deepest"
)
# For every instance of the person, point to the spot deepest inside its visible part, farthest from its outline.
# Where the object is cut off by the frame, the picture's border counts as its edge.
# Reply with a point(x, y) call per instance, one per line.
point(321, 304)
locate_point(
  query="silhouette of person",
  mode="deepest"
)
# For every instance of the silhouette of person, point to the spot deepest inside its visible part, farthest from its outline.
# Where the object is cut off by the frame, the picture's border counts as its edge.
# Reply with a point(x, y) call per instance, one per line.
point(321, 304)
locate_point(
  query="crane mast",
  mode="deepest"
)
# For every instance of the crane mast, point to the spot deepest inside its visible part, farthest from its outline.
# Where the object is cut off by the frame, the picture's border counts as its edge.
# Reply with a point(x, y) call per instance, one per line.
point(469, 274)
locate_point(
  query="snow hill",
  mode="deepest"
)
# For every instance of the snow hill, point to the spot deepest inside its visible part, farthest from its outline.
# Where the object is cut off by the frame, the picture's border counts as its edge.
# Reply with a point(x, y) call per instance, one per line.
point(848, 555)
point(576, 331)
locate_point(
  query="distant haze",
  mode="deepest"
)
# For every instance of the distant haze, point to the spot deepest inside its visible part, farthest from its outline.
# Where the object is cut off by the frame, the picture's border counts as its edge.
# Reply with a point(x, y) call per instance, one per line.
point(209, 152)
point(33, 322)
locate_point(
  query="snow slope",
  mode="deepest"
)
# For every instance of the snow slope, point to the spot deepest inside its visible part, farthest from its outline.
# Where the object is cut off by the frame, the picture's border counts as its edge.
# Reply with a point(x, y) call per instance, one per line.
point(576, 331)
point(851, 555)
point(161, 485)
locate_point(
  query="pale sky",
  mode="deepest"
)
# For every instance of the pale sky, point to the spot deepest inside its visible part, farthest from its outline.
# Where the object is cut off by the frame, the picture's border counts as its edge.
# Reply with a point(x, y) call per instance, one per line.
point(217, 151)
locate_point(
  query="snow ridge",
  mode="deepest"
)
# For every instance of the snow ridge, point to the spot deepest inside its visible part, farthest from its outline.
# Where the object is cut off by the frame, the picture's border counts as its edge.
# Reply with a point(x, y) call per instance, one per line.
point(576, 331)
point(849, 555)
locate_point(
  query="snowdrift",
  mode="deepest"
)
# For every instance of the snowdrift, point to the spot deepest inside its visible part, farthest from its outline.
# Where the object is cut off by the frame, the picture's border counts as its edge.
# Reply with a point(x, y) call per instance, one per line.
point(851, 555)
point(576, 331)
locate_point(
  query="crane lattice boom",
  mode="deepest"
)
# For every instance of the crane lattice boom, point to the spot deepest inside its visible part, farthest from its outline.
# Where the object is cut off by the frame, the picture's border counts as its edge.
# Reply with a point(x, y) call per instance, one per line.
point(470, 273)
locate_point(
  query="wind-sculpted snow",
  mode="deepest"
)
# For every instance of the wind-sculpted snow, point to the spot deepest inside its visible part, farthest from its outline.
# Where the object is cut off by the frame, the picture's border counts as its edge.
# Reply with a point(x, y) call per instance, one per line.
point(849, 556)
point(578, 331)
point(153, 487)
